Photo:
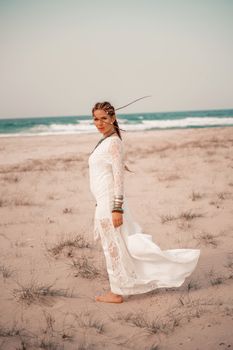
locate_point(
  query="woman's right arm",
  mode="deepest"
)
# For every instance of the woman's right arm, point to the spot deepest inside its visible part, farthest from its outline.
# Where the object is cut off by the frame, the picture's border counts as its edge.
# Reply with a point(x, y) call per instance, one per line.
point(117, 162)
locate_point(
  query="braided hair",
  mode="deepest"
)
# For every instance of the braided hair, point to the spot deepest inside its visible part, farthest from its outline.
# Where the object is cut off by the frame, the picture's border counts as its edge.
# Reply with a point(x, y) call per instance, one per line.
point(110, 110)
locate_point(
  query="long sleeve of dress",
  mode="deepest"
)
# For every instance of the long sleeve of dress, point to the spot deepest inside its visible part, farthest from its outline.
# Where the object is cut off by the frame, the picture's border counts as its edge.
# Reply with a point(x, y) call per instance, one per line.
point(117, 162)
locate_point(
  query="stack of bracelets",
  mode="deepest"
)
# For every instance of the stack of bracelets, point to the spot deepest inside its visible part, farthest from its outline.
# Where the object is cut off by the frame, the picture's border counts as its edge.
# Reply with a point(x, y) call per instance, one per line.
point(117, 204)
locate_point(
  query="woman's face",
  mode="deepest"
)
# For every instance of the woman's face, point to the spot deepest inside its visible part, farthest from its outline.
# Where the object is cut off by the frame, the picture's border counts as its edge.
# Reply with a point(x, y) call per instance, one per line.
point(103, 121)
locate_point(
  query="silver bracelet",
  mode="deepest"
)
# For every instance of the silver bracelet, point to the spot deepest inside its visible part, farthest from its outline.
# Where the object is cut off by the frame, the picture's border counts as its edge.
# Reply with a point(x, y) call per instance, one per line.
point(120, 197)
point(118, 201)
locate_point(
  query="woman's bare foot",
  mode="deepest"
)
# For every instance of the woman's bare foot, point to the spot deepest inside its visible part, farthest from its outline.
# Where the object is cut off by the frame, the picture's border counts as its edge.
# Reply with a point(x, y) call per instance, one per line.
point(110, 298)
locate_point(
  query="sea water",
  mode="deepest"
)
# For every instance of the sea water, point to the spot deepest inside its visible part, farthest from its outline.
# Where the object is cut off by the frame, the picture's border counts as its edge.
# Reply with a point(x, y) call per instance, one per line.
point(130, 122)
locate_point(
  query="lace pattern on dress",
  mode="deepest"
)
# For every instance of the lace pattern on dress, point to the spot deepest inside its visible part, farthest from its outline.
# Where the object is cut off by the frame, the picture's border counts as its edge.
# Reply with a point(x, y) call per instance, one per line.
point(116, 253)
point(116, 155)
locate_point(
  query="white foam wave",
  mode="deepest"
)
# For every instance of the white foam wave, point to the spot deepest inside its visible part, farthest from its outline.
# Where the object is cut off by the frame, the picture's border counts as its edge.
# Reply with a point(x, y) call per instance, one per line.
point(122, 121)
point(71, 127)
point(60, 128)
point(181, 123)
point(87, 126)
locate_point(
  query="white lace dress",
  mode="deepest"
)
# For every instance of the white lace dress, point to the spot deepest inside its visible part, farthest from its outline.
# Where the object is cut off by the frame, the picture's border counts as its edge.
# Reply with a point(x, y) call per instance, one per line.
point(135, 264)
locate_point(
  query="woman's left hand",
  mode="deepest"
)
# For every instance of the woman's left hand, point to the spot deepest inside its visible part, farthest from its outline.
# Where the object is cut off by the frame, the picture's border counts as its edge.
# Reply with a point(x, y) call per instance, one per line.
point(117, 219)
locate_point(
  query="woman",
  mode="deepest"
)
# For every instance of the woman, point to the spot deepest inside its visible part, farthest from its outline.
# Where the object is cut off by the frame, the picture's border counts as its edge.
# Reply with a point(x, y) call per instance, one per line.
point(135, 264)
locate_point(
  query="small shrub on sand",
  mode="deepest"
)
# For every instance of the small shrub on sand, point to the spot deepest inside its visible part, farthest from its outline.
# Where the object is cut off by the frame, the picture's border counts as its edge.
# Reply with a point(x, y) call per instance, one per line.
point(34, 292)
point(207, 239)
point(214, 278)
point(190, 308)
point(189, 215)
point(84, 268)
point(192, 285)
point(67, 211)
point(186, 215)
point(6, 271)
point(167, 218)
point(223, 195)
point(139, 319)
point(51, 337)
point(228, 311)
point(86, 320)
point(49, 345)
point(229, 263)
point(79, 241)
point(196, 195)
point(10, 331)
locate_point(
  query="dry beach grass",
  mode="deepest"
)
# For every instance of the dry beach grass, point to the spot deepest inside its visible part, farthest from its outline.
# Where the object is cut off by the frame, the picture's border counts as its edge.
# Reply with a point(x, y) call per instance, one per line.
point(181, 192)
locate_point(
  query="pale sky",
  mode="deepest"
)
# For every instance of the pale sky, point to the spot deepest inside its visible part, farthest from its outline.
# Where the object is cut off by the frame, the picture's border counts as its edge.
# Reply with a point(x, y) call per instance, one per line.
point(59, 57)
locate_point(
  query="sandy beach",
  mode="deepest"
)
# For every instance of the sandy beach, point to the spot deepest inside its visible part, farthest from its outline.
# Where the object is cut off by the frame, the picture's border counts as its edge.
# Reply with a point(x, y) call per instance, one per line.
point(180, 192)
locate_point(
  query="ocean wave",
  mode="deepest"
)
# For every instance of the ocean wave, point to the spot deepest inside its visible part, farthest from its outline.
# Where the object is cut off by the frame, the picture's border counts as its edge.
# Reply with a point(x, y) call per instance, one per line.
point(87, 126)
point(62, 128)
point(188, 122)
